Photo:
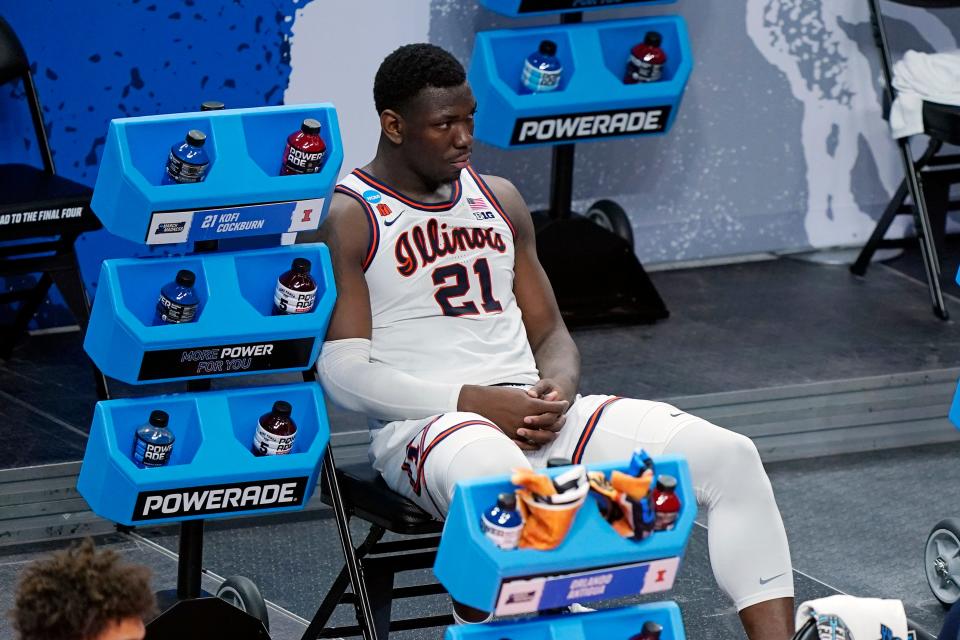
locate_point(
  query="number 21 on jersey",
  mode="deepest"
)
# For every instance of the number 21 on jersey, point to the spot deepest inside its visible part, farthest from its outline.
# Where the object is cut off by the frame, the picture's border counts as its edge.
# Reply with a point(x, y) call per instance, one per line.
point(456, 283)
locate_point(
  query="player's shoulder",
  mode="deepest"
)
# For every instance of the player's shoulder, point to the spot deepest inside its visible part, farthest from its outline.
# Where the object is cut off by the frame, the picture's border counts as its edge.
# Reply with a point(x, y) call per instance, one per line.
point(502, 188)
point(512, 202)
point(345, 223)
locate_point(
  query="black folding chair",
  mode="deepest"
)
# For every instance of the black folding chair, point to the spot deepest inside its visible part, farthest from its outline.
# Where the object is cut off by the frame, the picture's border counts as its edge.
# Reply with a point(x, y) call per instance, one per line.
point(41, 215)
point(357, 490)
point(927, 180)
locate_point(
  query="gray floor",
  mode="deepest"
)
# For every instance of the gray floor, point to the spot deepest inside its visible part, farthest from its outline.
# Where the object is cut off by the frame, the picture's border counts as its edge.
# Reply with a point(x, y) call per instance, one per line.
point(856, 523)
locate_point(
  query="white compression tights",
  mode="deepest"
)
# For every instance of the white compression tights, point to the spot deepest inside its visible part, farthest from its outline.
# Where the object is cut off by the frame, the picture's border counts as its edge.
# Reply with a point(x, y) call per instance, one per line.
point(747, 542)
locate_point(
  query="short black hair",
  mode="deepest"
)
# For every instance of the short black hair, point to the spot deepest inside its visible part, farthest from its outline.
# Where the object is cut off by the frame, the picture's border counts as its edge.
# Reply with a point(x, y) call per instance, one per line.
point(412, 68)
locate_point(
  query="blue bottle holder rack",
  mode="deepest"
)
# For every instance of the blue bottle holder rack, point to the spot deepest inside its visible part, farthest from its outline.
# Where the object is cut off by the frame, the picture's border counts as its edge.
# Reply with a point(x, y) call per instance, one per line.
point(955, 409)
point(592, 102)
point(212, 472)
point(234, 332)
point(523, 8)
point(242, 194)
point(610, 623)
point(593, 562)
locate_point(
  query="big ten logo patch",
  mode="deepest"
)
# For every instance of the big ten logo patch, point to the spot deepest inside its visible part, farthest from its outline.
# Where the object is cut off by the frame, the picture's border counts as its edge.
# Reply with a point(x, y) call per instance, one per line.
point(384, 209)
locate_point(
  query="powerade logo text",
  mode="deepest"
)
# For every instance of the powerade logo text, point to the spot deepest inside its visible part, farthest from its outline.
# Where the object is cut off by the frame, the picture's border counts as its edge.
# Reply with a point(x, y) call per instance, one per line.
point(226, 358)
point(170, 227)
point(220, 498)
point(595, 124)
point(371, 196)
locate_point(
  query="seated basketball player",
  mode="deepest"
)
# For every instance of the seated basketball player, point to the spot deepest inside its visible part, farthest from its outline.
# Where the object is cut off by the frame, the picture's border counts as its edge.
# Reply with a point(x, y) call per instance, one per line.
point(447, 335)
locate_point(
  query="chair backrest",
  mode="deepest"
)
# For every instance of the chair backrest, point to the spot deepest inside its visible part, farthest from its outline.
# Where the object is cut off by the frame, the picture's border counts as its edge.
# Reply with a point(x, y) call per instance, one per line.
point(13, 59)
point(14, 65)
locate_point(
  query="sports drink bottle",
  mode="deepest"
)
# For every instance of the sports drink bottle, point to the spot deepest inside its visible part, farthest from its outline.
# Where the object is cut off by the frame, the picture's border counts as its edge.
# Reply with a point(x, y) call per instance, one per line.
point(666, 503)
point(502, 522)
point(188, 161)
point(650, 631)
point(542, 69)
point(646, 60)
point(642, 509)
point(178, 302)
point(153, 442)
point(296, 290)
point(305, 151)
point(276, 431)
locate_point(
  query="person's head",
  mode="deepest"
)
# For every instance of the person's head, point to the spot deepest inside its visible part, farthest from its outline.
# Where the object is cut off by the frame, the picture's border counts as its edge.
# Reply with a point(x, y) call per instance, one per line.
point(426, 110)
point(82, 594)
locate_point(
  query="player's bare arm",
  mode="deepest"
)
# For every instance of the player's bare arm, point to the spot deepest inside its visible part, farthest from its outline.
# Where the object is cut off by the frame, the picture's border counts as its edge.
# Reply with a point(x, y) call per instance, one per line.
point(345, 234)
point(554, 350)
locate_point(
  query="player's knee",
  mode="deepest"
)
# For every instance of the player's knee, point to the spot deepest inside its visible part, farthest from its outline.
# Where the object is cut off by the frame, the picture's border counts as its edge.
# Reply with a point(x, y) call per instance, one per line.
point(488, 455)
point(740, 451)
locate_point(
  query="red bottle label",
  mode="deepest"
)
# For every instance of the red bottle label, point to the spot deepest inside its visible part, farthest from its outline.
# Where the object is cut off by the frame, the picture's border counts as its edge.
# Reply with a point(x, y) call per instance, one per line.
point(304, 154)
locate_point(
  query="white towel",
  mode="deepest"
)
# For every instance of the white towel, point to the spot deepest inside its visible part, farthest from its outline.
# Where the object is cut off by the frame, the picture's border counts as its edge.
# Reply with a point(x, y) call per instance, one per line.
point(850, 618)
point(934, 77)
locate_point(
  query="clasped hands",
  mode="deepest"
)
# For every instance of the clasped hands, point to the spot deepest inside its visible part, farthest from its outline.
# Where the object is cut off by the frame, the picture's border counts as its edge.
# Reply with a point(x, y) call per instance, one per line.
point(532, 418)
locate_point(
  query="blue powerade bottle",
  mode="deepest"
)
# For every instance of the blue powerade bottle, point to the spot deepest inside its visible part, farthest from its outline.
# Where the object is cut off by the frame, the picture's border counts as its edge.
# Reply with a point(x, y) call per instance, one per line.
point(153, 442)
point(502, 522)
point(188, 161)
point(178, 302)
point(542, 69)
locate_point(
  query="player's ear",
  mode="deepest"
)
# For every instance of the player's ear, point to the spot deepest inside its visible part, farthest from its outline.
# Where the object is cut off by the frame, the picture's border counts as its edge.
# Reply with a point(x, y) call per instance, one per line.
point(391, 123)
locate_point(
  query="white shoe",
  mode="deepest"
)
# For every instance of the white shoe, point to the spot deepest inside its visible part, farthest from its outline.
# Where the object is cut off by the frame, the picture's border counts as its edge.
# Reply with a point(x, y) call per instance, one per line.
point(576, 607)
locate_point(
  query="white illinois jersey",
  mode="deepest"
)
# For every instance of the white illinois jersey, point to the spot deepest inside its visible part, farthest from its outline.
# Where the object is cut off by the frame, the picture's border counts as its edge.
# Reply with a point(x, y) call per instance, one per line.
point(441, 284)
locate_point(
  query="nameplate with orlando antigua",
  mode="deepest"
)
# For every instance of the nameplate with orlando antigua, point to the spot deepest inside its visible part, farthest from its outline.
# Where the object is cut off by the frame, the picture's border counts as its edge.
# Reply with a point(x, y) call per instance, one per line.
point(590, 125)
point(220, 498)
point(216, 360)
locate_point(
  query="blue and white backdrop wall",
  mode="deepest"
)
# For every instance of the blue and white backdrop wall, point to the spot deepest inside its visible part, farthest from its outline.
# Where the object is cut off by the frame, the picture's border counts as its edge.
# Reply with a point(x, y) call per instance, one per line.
point(778, 144)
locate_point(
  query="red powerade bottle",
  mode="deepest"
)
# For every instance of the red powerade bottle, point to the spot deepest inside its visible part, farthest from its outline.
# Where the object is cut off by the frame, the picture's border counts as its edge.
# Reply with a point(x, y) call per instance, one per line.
point(646, 60)
point(666, 503)
point(305, 152)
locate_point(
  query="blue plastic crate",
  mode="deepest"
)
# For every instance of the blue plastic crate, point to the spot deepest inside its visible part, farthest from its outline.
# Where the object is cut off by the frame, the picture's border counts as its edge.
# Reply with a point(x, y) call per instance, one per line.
point(593, 562)
point(523, 8)
point(609, 624)
point(234, 333)
point(955, 408)
point(243, 193)
point(212, 472)
point(592, 102)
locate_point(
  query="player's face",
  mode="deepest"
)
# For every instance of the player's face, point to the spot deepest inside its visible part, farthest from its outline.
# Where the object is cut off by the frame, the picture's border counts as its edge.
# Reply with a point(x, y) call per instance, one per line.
point(438, 132)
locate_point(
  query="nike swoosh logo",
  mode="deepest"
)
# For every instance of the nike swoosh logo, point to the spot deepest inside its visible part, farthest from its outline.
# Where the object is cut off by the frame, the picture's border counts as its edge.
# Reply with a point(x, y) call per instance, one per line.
point(762, 581)
point(390, 222)
point(677, 414)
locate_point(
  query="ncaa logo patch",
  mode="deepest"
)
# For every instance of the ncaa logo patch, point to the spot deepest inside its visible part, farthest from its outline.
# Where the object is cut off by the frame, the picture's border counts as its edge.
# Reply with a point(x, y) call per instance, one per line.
point(371, 196)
